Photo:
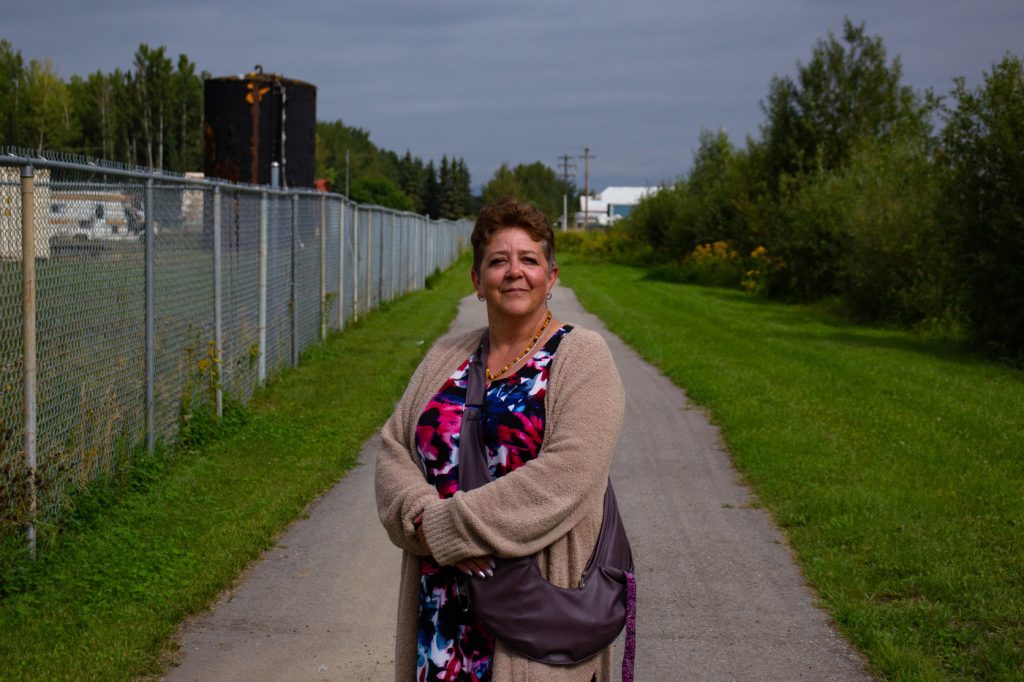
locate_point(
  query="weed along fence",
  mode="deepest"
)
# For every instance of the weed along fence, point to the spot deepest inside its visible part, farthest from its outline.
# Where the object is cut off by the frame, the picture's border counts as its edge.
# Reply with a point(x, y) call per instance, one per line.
point(129, 300)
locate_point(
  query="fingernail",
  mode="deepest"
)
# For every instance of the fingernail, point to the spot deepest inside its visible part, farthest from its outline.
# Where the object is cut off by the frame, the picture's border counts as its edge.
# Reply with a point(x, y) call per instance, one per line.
point(490, 573)
point(481, 574)
point(491, 563)
point(467, 571)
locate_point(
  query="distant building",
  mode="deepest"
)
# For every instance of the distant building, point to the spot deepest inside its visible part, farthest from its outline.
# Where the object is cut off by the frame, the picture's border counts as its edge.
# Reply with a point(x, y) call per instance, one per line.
point(610, 205)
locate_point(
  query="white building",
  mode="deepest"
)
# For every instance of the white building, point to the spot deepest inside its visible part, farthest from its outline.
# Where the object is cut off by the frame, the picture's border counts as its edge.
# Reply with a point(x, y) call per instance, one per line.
point(610, 205)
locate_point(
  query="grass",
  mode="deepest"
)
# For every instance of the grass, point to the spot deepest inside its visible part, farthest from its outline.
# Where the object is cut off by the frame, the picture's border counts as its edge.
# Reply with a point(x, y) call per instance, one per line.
point(894, 464)
point(103, 601)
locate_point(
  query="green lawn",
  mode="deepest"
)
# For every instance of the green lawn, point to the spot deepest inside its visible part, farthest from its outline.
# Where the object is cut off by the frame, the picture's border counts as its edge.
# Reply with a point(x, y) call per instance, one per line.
point(102, 603)
point(895, 466)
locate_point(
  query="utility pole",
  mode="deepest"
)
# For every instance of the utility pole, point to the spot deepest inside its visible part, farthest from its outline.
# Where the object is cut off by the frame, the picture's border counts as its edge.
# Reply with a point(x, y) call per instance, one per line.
point(586, 186)
point(566, 163)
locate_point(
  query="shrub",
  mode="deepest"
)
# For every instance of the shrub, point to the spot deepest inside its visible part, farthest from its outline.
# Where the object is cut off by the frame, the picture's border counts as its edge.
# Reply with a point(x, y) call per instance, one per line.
point(715, 264)
point(805, 232)
point(897, 263)
point(615, 245)
point(660, 220)
point(760, 269)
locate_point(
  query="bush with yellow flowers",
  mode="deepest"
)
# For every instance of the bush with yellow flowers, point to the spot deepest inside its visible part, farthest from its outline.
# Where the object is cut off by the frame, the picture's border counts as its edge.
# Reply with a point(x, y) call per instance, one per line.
point(760, 269)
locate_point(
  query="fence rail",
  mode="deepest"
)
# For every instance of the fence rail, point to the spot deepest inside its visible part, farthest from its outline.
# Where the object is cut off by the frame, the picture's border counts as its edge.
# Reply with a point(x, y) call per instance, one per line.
point(130, 299)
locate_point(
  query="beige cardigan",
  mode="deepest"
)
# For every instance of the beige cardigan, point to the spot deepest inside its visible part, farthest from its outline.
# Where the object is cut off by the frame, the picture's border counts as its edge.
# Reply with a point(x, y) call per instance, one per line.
point(551, 505)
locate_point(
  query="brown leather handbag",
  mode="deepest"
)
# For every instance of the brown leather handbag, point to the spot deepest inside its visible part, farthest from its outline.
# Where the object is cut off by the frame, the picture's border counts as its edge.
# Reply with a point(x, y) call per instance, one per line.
point(555, 625)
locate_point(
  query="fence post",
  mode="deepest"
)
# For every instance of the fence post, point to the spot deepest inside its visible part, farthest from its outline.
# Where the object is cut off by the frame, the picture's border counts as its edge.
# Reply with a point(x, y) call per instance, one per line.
point(380, 266)
point(150, 321)
point(421, 253)
point(218, 305)
point(295, 280)
point(369, 259)
point(323, 267)
point(355, 262)
point(396, 244)
point(341, 263)
point(262, 306)
point(28, 331)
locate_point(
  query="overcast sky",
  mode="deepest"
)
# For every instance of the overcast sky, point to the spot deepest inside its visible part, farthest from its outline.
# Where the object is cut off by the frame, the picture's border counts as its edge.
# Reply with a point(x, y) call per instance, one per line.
point(528, 80)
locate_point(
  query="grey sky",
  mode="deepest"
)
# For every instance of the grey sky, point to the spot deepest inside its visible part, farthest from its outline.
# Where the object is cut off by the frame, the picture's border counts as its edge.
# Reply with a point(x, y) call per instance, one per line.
point(530, 80)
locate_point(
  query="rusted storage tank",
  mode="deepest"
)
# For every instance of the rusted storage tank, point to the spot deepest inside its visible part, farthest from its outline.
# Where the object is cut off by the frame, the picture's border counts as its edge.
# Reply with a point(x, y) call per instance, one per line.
point(255, 119)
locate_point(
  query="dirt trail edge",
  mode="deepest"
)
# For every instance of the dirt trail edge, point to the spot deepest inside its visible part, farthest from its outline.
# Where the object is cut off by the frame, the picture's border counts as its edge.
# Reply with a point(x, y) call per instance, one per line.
point(720, 597)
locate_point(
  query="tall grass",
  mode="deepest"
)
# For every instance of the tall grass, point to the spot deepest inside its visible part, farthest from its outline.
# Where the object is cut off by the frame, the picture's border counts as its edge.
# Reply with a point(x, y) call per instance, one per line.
point(895, 465)
point(104, 601)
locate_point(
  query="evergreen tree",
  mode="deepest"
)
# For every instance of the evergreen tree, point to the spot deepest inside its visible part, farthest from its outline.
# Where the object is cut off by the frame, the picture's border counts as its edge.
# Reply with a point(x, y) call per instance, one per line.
point(431, 191)
point(463, 191)
point(410, 180)
point(450, 207)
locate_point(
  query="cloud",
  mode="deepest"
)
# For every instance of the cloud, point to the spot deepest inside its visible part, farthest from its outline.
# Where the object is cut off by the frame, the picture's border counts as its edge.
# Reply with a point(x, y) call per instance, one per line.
point(524, 81)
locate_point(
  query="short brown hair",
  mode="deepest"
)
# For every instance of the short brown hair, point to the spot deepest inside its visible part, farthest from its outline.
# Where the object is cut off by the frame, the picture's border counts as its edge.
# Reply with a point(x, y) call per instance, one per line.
point(512, 212)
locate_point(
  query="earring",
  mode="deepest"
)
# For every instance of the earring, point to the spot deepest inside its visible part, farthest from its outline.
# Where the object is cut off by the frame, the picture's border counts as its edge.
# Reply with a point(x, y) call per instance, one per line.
point(549, 296)
point(479, 297)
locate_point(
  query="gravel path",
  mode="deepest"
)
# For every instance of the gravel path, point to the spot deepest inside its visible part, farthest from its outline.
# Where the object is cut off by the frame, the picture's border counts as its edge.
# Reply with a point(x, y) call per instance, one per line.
point(720, 597)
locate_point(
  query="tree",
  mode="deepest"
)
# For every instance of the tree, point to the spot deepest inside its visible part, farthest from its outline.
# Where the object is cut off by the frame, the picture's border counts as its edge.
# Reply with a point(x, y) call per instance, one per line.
point(446, 197)
point(463, 191)
point(410, 179)
point(124, 121)
point(94, 102)
point(48, 106)
point(431, 191)
point(186, 90)
point(152, 78)
point(897, 264)
point(504, 183)
point(535, 183)
point(983, 154)
point(455, 196)
point(848, 90)
point(12, 101)
point(380, 191)
point(365, 160)
point(657, 219)
point(715, 190)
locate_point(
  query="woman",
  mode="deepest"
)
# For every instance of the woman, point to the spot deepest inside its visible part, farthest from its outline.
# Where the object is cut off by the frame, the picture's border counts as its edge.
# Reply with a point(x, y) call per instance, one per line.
point(552, 414)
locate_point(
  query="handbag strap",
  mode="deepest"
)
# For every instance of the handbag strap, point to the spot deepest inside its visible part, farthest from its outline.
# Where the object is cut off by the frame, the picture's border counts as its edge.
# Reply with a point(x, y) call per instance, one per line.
point(473, 470)
point(473, 473)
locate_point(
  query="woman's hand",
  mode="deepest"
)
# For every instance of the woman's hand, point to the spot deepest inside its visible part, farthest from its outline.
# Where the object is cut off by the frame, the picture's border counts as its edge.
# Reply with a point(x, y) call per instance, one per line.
point(480, 566)
point(417, 523)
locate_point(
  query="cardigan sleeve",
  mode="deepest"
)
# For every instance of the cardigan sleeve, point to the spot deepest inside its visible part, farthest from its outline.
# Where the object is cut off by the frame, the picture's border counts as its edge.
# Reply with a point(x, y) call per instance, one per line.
point(526, 510)
point(401, 490)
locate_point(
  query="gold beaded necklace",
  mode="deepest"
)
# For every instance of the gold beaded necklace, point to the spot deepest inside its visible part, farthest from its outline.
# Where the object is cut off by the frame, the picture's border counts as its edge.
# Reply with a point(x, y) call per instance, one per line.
point(533, 341)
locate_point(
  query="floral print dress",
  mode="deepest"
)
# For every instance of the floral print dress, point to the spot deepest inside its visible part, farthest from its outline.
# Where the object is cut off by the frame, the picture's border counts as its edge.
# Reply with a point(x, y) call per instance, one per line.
point(453, 644)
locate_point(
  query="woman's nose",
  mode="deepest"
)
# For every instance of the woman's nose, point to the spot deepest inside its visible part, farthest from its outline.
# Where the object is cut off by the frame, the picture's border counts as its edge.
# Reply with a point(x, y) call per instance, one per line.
point(514, 268)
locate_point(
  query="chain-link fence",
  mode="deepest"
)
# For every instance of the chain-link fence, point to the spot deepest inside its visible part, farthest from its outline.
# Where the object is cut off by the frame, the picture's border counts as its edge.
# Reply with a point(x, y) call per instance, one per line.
point(151, 295)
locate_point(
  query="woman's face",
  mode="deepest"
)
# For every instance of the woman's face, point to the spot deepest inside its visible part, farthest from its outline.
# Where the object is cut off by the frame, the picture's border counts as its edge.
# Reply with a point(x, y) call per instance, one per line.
point(515, 276)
